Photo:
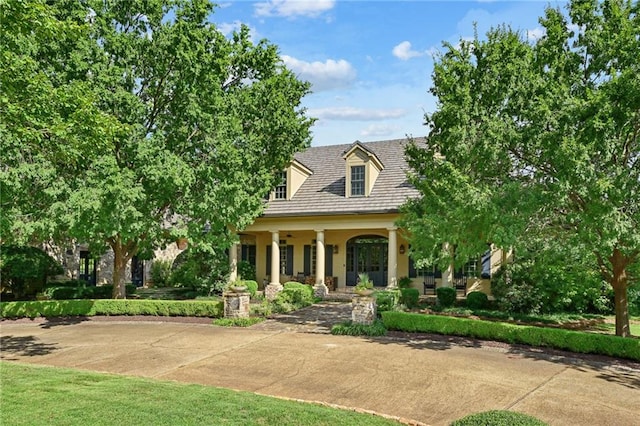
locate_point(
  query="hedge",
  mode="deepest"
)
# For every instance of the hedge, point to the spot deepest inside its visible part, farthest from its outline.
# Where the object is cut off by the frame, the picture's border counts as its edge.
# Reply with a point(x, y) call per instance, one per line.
point(574, 341)
point(499, 418)
point(62, 308)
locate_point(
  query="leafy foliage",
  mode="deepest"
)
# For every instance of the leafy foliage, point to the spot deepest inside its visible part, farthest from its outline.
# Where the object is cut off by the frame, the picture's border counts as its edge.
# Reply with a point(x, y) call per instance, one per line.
point(477, 300)
point(537, 136)
point(24, 269)
point(294, 296)
point(351, 329)
point(160, 272)
point(237, 322)
point(409, 297)
point(252, 287)
point(128, 125)
point(201, 271)
point(387, 300)
point(246, 270)
point(498, 418)
point(446, 296)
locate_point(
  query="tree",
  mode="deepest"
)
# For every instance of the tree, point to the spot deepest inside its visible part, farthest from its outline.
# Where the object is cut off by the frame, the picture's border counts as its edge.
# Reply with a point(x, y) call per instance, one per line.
point(537, 135)
point(172, 128)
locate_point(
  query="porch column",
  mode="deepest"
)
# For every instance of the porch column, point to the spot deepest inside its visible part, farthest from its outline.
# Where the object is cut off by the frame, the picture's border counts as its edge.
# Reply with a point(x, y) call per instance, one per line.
point(275, 258)
point(320, 289)
point(447, 274)
point(392, 267)
point(233, 262)
point(320, 272)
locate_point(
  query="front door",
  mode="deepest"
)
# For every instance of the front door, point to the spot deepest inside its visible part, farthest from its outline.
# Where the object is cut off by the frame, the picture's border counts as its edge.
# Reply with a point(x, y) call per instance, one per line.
point(367, 254)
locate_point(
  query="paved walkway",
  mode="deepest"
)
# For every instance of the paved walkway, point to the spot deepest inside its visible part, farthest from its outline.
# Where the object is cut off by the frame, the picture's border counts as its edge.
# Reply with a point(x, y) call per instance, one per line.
point(429, 380)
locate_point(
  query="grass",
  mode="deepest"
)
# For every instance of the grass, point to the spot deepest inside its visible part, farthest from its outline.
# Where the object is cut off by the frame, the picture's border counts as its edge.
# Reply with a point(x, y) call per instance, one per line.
point(36, 395)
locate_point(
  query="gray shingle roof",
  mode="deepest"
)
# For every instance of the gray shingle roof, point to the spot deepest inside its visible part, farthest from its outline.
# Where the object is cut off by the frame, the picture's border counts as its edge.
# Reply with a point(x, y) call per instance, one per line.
point(323, 193)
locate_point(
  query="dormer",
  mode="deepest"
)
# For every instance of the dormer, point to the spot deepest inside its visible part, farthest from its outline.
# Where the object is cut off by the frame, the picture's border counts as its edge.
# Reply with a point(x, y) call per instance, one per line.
point(362, 170)
point(291, 179)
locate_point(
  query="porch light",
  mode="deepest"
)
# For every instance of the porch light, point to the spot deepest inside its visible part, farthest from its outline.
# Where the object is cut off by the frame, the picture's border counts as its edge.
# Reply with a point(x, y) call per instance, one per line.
point(401, 248)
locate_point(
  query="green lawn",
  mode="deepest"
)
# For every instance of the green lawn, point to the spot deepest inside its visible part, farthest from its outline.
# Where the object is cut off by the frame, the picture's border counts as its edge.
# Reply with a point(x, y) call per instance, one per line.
point(35, 395)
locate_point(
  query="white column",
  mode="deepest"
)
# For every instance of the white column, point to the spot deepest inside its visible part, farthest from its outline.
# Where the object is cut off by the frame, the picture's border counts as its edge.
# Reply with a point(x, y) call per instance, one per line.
point(320, 268)
point(447, 274)
point(233, 262)
point(392, 267)
point(275, 258)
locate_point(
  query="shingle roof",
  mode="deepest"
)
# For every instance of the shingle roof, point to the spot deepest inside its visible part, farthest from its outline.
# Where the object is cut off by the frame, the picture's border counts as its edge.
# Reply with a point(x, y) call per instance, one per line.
point(323, 193)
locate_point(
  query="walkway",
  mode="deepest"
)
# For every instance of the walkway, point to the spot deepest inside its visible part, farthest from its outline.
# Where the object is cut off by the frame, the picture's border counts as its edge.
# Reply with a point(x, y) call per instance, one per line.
point(417, 377)
point(318, 318)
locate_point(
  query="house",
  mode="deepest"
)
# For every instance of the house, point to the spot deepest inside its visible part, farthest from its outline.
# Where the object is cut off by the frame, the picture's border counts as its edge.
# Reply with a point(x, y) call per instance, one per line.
point(334, 215)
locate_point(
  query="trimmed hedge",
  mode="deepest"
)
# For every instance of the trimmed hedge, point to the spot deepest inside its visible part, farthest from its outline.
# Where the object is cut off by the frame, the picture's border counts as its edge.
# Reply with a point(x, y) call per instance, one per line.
point(63, 308)
point(387, 300)
point(573, 341)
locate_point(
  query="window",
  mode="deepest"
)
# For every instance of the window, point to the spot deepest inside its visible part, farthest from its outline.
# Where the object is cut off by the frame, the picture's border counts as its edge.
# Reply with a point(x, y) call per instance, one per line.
point(357, 180)
point(283, 257)
point(281, 188)
point(87, 268)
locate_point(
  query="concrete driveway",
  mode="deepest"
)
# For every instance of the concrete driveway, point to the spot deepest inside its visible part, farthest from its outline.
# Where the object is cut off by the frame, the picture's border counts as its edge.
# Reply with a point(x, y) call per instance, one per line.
point(431, 381)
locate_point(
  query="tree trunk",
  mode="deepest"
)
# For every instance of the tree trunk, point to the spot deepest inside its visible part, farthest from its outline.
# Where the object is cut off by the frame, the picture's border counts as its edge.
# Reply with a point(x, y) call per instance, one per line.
point(119, 265)
point(619, 283)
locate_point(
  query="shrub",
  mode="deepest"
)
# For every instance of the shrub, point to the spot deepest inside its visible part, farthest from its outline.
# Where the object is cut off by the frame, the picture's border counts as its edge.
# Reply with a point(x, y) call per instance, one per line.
point(574, 341)
point(477, 300)
point(387, 300)
point(446, 296)
point(237, 322)
point(252, 287)
point(24, 269)
point(54, 308)
point(350, 329)
point(498, 418)
point(293, 297)
point(80, 290)
point(246, 270)
point(202, 272)
point(404, 282)
point(160, 273)
point(410, 297)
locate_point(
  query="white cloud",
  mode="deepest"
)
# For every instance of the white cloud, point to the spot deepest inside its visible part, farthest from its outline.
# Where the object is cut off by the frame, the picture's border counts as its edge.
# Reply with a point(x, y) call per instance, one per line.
point(292, 8)
point(327, 75)
point(535, 34)
point(378, 130)
point(356, 114)
point(404, 52)
point(227, 28)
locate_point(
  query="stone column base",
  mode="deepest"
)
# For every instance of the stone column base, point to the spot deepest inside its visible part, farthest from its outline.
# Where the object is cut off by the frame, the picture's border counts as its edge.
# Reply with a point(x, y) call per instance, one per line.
point(236, 305)
point(320, 290)
point(363, 310)
point(272, 290)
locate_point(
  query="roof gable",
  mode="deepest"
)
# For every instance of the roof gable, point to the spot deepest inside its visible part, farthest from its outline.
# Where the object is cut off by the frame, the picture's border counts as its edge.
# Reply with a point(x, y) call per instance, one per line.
point(323, 192)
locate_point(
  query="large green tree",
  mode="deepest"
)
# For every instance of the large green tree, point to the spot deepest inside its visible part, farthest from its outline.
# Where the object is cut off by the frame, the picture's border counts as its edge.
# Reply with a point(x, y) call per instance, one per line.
point(138, 122)
point(533, 135)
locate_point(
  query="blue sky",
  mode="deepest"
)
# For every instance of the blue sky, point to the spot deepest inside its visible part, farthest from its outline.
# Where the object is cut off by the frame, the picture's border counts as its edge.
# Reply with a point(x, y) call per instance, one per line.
point(370, 62)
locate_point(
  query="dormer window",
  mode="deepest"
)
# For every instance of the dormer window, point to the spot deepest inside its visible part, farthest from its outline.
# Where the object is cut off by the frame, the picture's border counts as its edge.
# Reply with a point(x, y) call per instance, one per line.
point(362, 170)
point(357, 181)
point(281, 188)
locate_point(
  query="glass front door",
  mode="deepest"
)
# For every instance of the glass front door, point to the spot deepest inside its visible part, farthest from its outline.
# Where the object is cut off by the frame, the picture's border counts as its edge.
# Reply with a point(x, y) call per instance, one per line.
point(367, 254)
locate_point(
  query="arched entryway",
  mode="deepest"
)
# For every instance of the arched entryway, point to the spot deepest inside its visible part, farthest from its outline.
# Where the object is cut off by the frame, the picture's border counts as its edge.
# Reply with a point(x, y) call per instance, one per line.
point(368, 254)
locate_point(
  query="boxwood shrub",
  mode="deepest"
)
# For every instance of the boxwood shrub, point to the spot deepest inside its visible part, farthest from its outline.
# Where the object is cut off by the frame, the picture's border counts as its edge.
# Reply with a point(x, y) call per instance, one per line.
point(574, 341)
point(410, 297)
point(446, 296)
point(477, 300)
point(62, 308)
point(387, 300)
